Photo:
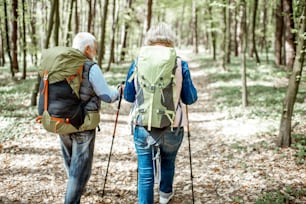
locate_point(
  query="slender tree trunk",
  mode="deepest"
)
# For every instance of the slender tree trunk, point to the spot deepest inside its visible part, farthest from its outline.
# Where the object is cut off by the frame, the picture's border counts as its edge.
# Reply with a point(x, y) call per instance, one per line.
point(89, 16)
point(103, 31)
point(228, 31)
point(114, 25)
point(15, 37)
point(77, 18)
point(8, 47)
point(289, 35)
point(51, 22)
point(69, 29)
point(224, 34)
point(2, 56)
point(279, 27)
point(243, 42)
point(264, 23)
point(254, 49)
point(236, 37)
point(195, 27)
point(284, 136)
point(33, 36)
point(125, 31)
point(181, 23)
point(213, 33)
point(24, 42)
point(57, 23)
point(149, 14)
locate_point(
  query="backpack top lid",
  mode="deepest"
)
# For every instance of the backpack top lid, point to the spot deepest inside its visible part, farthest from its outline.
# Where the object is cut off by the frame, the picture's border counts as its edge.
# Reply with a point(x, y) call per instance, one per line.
point(155, 62)
point(61, 63)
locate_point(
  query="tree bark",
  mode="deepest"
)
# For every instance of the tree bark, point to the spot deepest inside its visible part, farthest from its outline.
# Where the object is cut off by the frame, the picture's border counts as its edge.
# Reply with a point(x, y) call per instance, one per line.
point(243, 41)
point(33, 36)
point(236, 38)
point(69, 29)
point(15, 37)
point(24, 42)
point(213, 33)
point(114, 26)
point(289, 35)
point(51, 22)
point(125, 31)
point(195, 27)
point(279, 27)
point(254, 49)
point(284, 136)
point(8, 45)
point(149, 14)
point(57, 23)
point(103, 31)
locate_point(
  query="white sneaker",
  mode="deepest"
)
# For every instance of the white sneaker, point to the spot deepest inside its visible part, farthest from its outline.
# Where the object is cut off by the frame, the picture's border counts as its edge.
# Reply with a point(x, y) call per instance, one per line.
point(164, 198)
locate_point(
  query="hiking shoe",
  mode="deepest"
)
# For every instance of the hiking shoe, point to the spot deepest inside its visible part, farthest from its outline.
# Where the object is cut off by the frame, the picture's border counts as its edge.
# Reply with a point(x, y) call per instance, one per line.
point(164, 198)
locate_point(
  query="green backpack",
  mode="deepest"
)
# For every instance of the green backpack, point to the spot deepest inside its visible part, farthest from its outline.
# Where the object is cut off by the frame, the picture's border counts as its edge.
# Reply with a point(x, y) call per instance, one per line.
point(155, 86)
point(64, 66)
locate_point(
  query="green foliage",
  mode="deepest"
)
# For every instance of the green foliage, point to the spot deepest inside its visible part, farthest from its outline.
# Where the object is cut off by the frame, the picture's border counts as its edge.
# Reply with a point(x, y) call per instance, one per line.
point(300, 145)
point(280, 197)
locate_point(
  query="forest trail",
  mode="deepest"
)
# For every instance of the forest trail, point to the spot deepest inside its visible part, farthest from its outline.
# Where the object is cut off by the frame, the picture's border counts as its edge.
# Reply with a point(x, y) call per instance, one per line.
point(233, 160)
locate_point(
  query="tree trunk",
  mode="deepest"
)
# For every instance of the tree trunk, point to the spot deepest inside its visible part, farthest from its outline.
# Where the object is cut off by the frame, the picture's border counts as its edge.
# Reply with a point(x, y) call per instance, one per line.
point(57, 23)
point(149, 14)
point(181, 23)
point(51, 22)
point(69, 29)
point(8, 45)
point(77, 18)
point(125, 32)
point(213, 33)
point(264, 23)
point(243, 41)
point(89, 20)
point(33, 36)
point(228, 31)
point(254, 49)
point(236, 37)
point(279, 27)
point(114, 25)
point(15, 37)
point(24, 42)
point(195, 27)
point(284, 136)
point(224, 34)
point(103, 29)
point(289, 35)
point(2, 56)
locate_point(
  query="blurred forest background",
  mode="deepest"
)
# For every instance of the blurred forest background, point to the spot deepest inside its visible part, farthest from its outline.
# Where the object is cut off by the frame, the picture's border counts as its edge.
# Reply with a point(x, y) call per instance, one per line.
point(261, 30)
point(247, 61)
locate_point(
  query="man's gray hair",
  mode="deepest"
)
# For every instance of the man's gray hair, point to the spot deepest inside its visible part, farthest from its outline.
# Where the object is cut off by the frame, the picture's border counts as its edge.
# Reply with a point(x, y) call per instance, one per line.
point(82, 40)
point(160, 33)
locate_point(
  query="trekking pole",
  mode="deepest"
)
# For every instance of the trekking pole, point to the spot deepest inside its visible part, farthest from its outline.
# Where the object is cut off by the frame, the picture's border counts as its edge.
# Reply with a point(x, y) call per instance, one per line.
point(111, 148)
point(190, 162)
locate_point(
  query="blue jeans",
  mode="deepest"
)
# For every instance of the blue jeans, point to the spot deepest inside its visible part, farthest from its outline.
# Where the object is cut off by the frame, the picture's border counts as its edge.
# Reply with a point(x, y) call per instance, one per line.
point(169, 143)
point(77, 150)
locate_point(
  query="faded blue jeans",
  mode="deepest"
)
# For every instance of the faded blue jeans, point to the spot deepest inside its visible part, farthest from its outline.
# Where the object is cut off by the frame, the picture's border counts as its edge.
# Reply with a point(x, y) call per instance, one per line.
point(169, 143)
point(77, 151)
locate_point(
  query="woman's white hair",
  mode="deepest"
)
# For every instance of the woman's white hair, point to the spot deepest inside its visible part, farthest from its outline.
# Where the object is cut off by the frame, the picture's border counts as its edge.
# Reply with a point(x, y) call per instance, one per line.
point(82, 40)
point(160, 33)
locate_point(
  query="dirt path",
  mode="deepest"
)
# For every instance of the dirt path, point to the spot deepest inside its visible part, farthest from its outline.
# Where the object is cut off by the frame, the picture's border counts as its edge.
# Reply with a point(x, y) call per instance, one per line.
point(233, 160)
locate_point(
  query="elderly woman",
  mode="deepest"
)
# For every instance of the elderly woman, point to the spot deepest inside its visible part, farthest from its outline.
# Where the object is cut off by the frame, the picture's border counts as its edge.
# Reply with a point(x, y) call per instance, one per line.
point(157, 147)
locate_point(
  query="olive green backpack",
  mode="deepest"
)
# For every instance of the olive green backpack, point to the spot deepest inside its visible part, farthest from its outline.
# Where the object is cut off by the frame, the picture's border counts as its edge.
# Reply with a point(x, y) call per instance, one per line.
point(60, 64)
point(155, 86)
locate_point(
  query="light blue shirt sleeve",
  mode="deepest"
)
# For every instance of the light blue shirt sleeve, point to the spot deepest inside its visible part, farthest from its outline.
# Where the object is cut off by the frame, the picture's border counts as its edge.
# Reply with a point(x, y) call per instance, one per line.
point(100, 86)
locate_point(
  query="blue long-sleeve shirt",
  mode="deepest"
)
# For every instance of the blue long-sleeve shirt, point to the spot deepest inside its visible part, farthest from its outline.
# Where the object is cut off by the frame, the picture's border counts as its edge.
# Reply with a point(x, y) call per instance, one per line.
point(188, 92)
point(100, 86)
